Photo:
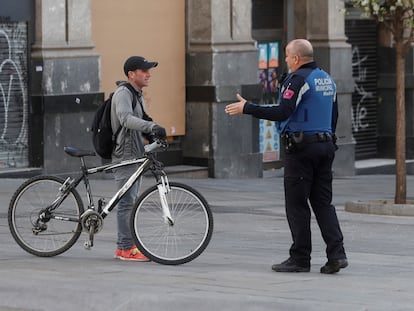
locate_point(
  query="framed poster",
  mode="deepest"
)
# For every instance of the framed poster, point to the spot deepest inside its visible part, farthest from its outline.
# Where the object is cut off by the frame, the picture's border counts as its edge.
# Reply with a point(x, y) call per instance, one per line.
point(263, 54)
point(273, 54)
point(268, 79)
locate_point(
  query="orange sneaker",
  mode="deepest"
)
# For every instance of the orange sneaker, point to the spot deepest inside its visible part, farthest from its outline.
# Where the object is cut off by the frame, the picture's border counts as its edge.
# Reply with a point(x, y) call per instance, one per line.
point(132, 254)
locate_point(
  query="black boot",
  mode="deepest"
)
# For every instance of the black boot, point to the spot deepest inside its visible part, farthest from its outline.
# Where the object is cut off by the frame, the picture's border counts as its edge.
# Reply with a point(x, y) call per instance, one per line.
point(333, 266)
point(290, 265)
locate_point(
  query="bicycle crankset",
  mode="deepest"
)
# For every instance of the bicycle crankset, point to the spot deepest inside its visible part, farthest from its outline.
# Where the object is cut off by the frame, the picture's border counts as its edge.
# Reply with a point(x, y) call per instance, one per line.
point(90, 219)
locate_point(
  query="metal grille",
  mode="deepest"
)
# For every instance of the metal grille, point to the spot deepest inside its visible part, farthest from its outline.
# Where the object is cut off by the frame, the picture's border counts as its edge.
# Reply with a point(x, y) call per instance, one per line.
point(13, 95)
point(362, 35)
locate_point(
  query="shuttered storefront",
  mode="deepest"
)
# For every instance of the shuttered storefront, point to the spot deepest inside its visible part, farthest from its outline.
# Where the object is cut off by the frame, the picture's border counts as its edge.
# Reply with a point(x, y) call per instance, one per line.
point(13, 95)
point(362, 35)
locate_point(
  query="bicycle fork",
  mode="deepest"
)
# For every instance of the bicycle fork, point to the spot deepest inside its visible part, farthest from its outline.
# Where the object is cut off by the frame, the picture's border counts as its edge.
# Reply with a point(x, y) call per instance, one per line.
point(163, 190)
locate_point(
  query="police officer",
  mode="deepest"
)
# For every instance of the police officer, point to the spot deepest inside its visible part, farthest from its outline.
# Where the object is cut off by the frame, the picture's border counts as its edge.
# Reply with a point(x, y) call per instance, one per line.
point(306, 118)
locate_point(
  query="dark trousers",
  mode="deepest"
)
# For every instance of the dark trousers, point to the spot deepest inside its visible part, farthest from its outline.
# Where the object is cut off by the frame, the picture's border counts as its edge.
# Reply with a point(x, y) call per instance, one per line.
point(308, 179)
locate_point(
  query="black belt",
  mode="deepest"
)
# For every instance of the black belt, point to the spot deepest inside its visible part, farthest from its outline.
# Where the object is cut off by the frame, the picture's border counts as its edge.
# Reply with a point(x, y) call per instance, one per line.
point(318, 137)
point(296, 141)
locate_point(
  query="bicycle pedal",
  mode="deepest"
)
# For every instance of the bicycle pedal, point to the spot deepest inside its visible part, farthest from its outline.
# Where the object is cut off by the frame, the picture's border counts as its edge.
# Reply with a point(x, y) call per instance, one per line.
point(88, 245)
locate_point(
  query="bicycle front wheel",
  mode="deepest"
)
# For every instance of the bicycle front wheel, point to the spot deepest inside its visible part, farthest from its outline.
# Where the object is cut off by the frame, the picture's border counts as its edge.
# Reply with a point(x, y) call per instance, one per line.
point(41, 231)
point(172, 243)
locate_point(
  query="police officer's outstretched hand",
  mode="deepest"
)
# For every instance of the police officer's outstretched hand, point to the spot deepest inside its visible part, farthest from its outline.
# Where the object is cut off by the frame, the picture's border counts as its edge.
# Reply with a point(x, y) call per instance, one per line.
point(159, 131)
point(237, 107)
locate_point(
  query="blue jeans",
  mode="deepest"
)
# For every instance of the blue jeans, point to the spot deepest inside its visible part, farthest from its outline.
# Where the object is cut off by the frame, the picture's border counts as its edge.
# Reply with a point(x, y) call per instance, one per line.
point(124, 207)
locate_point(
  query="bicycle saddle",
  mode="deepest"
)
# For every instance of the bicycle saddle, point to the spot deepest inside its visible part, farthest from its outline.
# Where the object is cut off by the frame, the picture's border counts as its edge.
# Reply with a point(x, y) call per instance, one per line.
point(75, 152)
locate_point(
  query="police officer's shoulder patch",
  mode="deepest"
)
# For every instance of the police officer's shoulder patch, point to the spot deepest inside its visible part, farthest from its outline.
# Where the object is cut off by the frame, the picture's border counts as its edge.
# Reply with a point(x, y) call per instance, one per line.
point(288, 94)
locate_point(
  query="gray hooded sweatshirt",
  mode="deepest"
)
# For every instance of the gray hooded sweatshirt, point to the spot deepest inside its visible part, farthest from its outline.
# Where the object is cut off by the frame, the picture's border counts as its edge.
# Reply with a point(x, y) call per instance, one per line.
point(129, 143)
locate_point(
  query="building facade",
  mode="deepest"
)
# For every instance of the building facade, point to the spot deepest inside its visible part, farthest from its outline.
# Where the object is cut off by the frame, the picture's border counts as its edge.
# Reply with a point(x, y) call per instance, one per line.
point(62, 57)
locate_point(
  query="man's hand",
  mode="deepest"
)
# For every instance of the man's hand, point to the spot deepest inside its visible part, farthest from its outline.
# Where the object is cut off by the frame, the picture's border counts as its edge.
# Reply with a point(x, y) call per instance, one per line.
point(159, 131)
point(237, 107)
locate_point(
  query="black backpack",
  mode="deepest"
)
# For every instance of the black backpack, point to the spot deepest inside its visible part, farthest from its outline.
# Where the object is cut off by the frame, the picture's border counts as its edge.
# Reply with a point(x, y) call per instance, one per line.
point(103, 138)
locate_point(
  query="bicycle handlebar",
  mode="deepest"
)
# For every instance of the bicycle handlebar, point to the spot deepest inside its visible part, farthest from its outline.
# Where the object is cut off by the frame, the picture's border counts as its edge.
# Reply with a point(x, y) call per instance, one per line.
point(157, 145)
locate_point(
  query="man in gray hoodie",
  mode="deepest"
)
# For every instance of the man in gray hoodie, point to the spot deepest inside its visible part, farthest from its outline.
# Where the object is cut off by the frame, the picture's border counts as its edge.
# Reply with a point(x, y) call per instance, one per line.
point(130, 144)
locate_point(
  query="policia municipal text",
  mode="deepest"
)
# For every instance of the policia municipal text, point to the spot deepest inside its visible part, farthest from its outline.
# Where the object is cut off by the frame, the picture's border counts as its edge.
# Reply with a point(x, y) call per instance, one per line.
point(306, 118)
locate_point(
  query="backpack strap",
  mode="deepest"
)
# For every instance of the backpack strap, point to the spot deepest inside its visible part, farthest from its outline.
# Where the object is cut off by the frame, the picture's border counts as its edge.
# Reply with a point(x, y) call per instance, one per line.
point(134, 95)
point(138, 96)
point(134, 102)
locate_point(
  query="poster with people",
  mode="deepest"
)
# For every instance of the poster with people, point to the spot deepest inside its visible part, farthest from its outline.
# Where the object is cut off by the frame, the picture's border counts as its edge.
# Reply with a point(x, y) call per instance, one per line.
point(268, 79)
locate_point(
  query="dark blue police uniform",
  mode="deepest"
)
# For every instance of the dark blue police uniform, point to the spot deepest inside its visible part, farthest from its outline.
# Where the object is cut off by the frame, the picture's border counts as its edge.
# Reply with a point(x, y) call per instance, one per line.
point(306, 118)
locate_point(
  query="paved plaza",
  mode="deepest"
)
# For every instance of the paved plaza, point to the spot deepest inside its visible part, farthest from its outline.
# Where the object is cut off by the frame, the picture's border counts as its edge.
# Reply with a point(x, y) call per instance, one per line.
point(234, 273)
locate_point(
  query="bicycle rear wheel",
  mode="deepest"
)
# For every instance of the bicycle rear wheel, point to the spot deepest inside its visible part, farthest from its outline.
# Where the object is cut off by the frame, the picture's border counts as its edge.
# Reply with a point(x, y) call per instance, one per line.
point(41, 232)
point(172, 244)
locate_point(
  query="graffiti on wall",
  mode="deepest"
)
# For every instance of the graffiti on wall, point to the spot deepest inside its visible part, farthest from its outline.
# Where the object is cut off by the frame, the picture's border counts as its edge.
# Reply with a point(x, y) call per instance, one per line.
point(13, 95)
point(359, 111)
point(362, 36)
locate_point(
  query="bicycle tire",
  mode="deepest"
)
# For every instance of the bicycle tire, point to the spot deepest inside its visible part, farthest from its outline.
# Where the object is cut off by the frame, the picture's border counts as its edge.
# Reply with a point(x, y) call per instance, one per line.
point(28, 201)
point(181, 242)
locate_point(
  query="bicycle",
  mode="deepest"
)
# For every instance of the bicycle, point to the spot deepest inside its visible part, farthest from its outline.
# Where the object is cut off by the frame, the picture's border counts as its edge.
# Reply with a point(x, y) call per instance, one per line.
point(171, 223)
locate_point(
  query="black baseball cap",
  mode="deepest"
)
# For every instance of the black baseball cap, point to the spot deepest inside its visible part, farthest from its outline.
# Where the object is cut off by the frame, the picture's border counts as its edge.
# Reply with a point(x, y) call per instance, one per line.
point(138, 62)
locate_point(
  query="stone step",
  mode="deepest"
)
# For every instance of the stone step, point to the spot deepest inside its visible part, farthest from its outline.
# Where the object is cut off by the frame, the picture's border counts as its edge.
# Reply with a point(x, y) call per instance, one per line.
point(379, 166)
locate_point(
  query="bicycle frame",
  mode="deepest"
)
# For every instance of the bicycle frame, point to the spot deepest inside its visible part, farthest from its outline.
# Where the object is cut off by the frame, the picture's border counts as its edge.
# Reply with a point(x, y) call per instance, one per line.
point(91, 219)
point(145, 164)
